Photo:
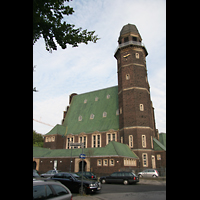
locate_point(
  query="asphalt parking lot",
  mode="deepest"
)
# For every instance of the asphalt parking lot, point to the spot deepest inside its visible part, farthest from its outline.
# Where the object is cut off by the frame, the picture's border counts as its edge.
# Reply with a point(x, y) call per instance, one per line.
point(145, 189)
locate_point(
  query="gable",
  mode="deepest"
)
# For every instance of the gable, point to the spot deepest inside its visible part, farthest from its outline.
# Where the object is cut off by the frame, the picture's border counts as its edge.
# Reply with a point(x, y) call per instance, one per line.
point(91, 106)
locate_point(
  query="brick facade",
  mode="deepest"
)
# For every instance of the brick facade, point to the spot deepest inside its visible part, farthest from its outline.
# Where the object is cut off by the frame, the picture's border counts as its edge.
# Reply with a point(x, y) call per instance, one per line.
point(136, 113)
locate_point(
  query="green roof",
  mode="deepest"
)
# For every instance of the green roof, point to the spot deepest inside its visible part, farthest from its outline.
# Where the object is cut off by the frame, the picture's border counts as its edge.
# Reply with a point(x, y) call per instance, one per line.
point(58, 129)
point(162, 138)
point(158, 145)
point(112, 149)
point(103, 104)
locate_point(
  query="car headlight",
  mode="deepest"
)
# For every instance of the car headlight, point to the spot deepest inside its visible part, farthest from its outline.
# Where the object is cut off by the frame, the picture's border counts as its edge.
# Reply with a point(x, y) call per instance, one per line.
point(92, 185)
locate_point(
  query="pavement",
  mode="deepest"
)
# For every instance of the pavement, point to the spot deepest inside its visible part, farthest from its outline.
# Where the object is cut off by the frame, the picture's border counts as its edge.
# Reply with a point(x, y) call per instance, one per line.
point(153, 195)
point(150, 195)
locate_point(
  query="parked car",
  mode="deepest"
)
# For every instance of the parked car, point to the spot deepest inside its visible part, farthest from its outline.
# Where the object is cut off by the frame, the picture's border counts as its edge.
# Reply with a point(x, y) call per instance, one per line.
point(120, 177)
point(73, 182)
point(43, 189)
point(50, 173)
point(147, 173)
point(88, 175)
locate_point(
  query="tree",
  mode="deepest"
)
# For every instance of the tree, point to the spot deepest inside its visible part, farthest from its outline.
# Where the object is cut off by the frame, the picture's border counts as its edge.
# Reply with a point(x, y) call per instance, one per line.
point(47, 22)
point(38, 139)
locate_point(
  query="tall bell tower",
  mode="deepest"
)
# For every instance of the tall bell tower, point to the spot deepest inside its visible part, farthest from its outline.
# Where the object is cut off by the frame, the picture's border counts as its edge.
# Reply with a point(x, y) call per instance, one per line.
point(136, 112)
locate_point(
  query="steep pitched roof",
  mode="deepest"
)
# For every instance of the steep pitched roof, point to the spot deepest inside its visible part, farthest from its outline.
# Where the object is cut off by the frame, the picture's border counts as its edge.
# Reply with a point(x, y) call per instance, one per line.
point(103, 104)
point(112, 149)
point(158, 145)
point(58, 129)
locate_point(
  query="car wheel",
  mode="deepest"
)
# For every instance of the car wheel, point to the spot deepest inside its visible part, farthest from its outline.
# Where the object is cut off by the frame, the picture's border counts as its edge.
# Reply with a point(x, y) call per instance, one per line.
point(140, 175)
point(154, 176)
point(103, 181)
point(84, 191)
point(125, 182)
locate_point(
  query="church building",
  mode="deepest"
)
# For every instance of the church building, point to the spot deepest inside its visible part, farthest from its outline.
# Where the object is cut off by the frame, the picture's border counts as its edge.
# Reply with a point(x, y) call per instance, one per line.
point(116, 125)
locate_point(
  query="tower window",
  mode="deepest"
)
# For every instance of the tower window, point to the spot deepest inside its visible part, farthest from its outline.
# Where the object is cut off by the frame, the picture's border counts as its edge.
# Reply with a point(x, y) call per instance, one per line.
point(134, 38)
point(126, 39)
point(85, 101)
point(145, 160)
point(143, 141)
point(137, 55)
point(108, 96)
point(120, 110)
point(130, 141)
point(104, 114)
point(127, 76)
point(141, 107)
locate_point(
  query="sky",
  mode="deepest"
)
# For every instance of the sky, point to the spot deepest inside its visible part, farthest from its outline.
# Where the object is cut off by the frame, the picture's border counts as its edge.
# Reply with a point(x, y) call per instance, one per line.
point(92, 67)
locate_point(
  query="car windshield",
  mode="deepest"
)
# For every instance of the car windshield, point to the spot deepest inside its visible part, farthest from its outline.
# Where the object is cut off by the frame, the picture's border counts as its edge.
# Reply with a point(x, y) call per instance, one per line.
point(78, 176)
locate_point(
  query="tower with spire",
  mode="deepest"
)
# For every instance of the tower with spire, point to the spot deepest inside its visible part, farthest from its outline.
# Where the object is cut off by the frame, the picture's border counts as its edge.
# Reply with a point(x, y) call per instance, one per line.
point(136, 113)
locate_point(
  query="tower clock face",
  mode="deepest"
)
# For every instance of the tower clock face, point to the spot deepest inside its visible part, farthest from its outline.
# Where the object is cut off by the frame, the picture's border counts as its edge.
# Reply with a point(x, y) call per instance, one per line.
point(126, 55)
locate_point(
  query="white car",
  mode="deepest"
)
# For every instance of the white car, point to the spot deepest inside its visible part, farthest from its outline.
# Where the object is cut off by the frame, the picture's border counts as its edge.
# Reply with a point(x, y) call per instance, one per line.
point(147, 173)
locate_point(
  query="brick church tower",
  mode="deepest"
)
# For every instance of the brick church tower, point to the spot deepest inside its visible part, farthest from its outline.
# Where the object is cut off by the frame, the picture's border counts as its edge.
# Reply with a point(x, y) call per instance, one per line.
point(136, 113)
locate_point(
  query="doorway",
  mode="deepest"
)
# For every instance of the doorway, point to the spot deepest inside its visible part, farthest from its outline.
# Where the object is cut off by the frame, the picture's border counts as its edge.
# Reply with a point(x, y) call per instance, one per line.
point(153, 162)
point(80, 166)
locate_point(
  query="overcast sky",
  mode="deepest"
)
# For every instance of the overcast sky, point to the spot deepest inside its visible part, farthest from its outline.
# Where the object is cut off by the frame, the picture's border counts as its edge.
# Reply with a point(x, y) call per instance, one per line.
point(91, 67)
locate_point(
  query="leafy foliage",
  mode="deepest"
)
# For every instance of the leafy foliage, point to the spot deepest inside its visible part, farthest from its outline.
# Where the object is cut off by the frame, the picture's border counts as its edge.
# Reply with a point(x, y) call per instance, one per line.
point(47, 22)
point(38, 139)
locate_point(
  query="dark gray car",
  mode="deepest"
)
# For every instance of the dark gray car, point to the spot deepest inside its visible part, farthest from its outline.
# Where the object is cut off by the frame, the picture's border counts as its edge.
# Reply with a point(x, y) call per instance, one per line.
point(43, 189)
point(73, 182)
point(120, 177)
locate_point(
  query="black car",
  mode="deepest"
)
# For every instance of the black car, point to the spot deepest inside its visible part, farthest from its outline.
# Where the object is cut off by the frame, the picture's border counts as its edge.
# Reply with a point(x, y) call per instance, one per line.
point(120, 177)
point(50, 173)
point(73, 182)
point(88, 175)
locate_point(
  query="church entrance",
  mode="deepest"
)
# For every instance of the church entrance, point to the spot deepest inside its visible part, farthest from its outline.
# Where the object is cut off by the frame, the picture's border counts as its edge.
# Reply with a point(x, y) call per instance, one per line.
point(80, 166)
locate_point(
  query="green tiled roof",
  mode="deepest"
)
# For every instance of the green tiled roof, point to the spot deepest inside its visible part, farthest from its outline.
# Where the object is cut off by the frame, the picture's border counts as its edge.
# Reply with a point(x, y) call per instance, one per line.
point(162, 138)
point(157, 145)
point(103, 104)
point(112, 149)
point(58, 129)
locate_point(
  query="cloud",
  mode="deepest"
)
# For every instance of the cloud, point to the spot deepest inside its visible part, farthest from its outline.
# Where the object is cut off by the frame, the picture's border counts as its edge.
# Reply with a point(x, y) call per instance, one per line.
point(93, 66)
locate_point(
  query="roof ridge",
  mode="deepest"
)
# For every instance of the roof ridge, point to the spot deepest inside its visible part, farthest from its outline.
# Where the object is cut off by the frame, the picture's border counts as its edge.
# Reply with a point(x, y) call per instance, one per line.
point(97, 90)
point(114, 147)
